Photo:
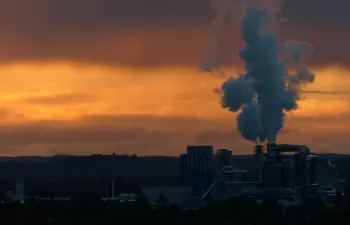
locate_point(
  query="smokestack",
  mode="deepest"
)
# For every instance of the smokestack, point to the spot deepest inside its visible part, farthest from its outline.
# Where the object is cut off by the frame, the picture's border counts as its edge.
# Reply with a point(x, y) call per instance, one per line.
point(271, 146)
point(258, 149)
point(20, 191)
point(112, 189)
point(272, 152)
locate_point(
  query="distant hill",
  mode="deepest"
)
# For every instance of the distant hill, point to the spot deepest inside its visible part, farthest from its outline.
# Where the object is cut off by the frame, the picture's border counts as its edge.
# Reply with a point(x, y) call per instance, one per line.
point(69, 167)
point(87, 167)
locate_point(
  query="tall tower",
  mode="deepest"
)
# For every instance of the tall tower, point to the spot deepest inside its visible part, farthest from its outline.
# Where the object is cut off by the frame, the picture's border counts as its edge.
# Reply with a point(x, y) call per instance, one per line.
point(20, 191)
point(113, 190)
point(200, 167)
point(200, 158)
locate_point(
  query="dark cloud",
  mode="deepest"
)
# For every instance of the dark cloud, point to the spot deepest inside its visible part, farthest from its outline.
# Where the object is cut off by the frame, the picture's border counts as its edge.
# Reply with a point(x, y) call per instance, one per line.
point(124, 134)
point(210, 136)
point(144, 135)
point(7, 114)
point(324, 92)
point(151, 121)
point(59, 99)
point(308, 120)
point(150, 33)
point(104, 14)
point(64, 133)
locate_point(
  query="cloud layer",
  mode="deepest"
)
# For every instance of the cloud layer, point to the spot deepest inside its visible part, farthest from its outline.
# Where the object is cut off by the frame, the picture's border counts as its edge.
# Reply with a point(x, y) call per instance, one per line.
point(147, 135)
point(155, 101)
point(152, 33)
point(43, 110)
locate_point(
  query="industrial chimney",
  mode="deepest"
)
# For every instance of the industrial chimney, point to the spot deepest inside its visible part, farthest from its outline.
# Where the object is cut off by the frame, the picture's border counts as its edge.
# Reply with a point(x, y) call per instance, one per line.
point(258, 147)
point(113, 189)
point(271, 146)
point(20, 191)
point(272, 150)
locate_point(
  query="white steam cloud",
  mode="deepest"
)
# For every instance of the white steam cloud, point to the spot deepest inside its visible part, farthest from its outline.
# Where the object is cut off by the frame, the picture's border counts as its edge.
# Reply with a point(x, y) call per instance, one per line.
point(266, 90)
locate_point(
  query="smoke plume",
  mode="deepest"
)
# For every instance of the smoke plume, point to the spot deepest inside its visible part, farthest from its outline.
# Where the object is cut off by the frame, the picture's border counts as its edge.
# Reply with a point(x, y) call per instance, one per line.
point(227, 13)
point(266, 91)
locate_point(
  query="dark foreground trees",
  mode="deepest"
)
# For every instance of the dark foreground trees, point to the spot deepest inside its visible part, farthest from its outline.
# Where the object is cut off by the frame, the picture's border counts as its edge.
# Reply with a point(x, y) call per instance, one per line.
point(237, 211)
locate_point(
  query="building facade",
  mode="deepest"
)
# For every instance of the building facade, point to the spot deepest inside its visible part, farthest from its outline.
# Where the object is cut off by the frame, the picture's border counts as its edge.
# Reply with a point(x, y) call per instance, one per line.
point(200, 158)
point(197, 168)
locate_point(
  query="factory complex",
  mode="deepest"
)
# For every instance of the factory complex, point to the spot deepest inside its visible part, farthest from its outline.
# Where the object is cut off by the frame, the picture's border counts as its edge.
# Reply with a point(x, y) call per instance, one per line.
point(284, 172)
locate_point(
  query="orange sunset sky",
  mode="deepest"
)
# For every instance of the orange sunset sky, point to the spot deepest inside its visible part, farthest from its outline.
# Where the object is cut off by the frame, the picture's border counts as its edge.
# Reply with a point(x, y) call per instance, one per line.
point(104, 76)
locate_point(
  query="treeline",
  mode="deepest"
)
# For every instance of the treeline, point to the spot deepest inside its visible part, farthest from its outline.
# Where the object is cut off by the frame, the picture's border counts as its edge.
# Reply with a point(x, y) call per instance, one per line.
point(89, 189)
point(133, 167)
point(238, 211)
point(88, 167)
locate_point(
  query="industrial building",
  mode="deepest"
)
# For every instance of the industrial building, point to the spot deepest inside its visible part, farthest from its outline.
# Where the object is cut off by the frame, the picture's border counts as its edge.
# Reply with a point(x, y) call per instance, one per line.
point(110, 196)
point(285, 171)
point(278, 171)
point(196, 168)
point(200, 158)
point(287, 166)
point(195, 177)
point(19, 195)
point(223, 158)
